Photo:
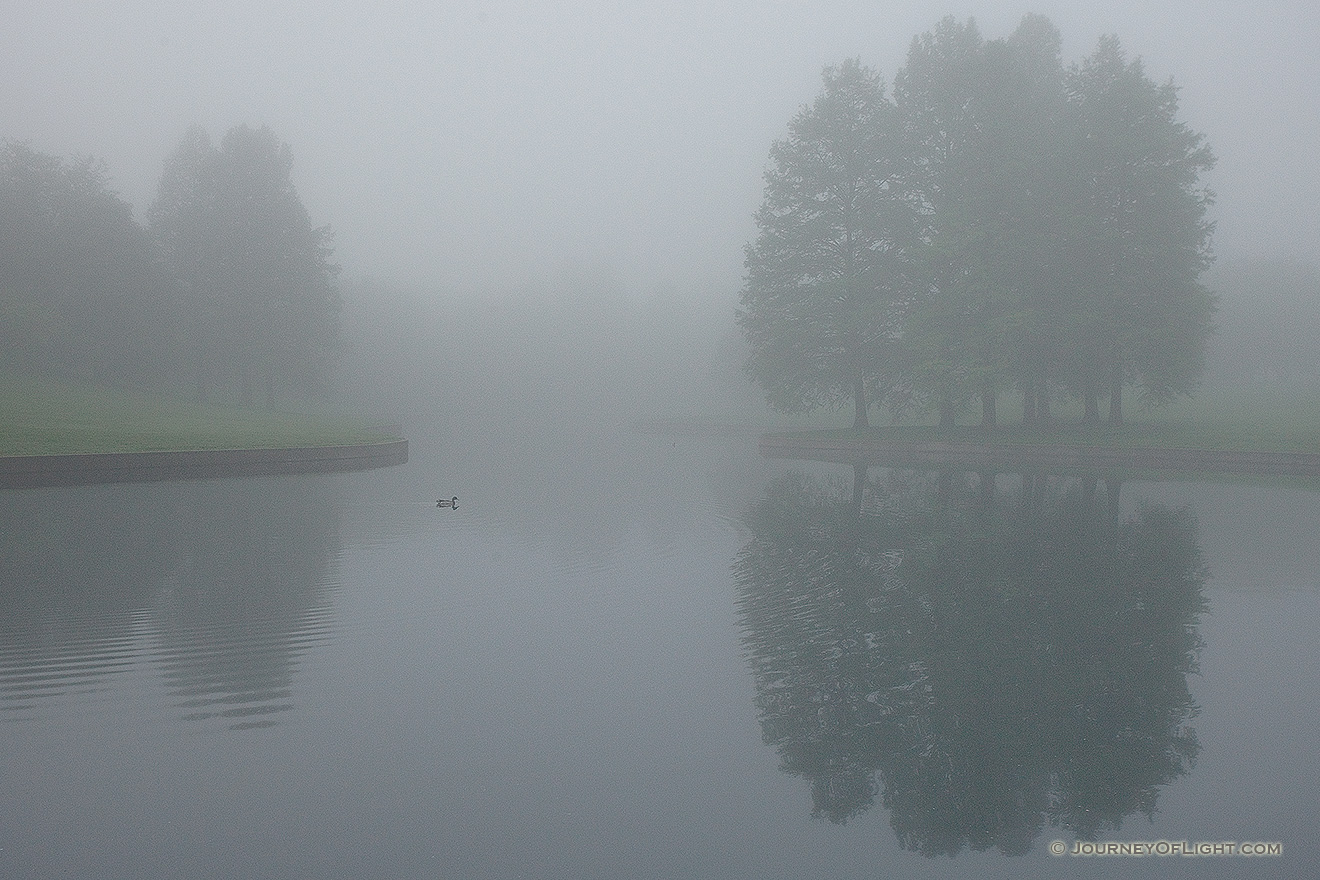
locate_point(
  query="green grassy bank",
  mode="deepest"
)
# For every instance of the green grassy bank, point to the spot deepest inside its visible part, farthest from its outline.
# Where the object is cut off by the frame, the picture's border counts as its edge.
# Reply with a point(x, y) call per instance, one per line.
point(1230, 421)
point(46, 417)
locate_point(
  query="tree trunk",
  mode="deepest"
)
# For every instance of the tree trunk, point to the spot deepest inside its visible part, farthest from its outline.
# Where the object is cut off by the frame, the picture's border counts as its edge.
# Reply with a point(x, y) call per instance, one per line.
point(1043, 405)
point(1029, 404)
point(859, 401)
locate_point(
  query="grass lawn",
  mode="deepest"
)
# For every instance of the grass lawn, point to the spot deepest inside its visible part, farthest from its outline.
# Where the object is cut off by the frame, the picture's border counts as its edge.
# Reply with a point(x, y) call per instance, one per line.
point(47, 417)
point(1222, 420)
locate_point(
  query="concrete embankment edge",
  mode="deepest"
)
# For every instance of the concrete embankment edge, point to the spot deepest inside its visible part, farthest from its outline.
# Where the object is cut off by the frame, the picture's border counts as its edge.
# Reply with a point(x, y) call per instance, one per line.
point(31, 471)
point(1035, 457)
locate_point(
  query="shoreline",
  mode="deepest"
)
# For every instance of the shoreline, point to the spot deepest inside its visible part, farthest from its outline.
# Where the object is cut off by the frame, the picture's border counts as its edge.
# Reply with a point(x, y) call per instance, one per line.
point(1031, 457)
point(90, 468)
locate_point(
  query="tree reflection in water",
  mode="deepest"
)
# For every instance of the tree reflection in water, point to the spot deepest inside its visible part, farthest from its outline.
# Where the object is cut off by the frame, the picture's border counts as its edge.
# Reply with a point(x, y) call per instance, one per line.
point(986, 661)
point(220, 585)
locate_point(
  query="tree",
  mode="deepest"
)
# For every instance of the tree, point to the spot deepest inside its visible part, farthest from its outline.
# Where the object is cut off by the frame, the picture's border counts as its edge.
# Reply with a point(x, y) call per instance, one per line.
point(982, 123)
point(1147, 316)
point(81, 293)
point(184, 220)
point(256, 276)
point(1040, 211)
point(826, 282)
point(937, 95)
point(1029, 226)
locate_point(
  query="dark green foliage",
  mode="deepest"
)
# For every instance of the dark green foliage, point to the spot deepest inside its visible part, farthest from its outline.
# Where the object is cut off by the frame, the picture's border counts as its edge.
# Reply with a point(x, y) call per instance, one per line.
point(825, 278)
point(232, 285)
point(82, 293)
point(1145, 234)
point(1051, 239)
point(255, 276)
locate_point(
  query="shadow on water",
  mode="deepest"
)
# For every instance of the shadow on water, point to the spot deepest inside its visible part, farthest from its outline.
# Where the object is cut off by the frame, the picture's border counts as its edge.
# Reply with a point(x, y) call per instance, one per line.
point(986, 659)
point(217, 586)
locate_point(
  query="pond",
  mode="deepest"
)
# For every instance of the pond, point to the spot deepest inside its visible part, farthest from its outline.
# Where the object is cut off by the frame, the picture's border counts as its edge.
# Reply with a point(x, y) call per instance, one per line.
point(650, 656)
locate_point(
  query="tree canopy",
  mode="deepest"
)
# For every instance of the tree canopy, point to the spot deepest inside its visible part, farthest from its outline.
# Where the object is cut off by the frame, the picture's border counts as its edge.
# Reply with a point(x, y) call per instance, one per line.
point(1005, 222)
point(255, 275)
point(1146, 235)
point(825, 279)
point(230, 284)
point(82, 294)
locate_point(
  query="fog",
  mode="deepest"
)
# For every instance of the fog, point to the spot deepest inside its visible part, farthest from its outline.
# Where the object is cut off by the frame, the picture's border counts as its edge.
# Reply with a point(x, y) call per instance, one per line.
point(541, 216)
point(594, 161)
point(574, 349)
point(499, 143)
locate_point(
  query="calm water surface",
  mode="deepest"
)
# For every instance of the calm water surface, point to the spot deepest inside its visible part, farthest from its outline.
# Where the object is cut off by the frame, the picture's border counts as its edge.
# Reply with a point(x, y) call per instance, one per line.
point(638, 656)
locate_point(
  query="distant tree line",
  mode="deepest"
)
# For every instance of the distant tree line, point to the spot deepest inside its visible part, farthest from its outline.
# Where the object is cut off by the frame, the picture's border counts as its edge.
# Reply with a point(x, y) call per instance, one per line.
point(228, 290)
point(1002, 223)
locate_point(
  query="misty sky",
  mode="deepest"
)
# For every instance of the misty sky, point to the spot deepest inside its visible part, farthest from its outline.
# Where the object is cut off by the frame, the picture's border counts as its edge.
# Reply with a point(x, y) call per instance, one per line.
point(495, 143)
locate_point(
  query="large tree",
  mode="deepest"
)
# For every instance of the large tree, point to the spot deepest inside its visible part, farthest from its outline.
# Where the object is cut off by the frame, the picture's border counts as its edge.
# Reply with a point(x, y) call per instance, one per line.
point(982, 120)
point(1026, 226)
point(1038, 194)
point(825, 283)
point(1146, 236)
point(256, 276)
point(81, 293)
point(940, 93)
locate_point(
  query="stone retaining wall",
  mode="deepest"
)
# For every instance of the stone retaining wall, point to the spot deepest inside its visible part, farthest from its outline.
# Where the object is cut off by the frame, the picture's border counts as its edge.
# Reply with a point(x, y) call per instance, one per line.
point(27, 471)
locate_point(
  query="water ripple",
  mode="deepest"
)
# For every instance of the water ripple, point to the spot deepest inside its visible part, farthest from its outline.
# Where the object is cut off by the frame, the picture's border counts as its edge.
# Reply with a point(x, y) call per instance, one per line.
point(238, 670)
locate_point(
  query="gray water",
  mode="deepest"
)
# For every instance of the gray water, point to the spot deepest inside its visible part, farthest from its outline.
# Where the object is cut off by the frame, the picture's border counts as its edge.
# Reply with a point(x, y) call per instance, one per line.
point(645, 656)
